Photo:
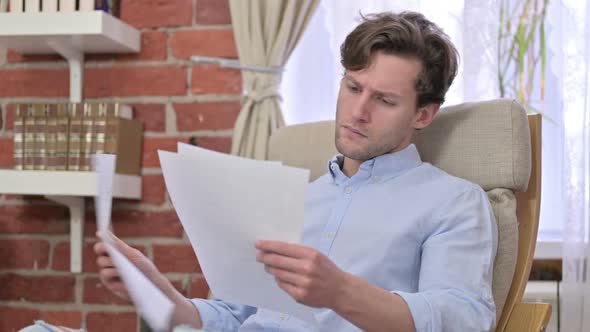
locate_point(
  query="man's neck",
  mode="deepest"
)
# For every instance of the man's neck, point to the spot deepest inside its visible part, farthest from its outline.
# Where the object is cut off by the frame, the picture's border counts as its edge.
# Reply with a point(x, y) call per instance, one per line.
point(351, 166)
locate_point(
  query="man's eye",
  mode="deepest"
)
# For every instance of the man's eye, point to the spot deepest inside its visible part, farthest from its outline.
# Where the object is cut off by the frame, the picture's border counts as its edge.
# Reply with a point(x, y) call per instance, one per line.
point(387, 102)
point(353, 89)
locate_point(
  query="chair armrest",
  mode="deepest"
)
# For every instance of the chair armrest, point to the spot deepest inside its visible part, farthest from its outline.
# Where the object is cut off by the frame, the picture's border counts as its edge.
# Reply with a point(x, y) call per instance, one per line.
point(529, 317)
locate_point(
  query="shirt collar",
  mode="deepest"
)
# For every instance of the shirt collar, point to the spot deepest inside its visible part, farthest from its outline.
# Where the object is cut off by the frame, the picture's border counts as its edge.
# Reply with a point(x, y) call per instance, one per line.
point(381, 167)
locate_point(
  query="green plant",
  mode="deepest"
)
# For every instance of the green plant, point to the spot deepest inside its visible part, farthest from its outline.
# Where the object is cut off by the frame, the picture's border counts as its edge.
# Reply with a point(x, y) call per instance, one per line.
point(521, 49)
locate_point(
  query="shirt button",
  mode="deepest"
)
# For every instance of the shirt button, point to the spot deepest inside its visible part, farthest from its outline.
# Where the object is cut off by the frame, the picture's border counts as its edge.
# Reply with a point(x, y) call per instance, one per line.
point(348, 190)
point(376, 179)
point(328, 235)
point(333, 167)
point(283, 317)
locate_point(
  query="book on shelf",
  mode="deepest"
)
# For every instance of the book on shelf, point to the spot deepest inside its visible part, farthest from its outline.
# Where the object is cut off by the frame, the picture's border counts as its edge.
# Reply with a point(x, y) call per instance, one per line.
point(123, 137)
point(76, 113)
point(86, 136)
point(99, 128)
point(51, 138)
point(40, 127)
point(19, 135)
point(62, 137)
point(29, 135)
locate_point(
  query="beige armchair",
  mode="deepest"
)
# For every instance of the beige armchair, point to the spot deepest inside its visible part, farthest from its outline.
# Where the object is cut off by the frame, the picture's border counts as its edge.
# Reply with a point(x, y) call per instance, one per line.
point(492, 143)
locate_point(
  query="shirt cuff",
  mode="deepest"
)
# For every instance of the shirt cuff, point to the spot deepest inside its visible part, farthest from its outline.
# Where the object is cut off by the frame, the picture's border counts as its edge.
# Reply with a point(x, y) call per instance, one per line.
point(207, 312)
point(420, 309)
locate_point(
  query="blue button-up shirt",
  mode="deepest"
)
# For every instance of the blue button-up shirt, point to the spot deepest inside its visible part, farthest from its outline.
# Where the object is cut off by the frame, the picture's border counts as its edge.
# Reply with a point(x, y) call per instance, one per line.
point(403, 225)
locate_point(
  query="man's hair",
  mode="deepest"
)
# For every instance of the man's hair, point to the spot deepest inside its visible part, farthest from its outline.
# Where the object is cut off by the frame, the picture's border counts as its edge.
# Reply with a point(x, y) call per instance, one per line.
point(406, 34)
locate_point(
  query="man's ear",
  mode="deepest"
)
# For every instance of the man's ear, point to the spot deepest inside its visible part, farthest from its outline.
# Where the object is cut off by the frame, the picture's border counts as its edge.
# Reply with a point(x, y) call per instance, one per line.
point(425, 115)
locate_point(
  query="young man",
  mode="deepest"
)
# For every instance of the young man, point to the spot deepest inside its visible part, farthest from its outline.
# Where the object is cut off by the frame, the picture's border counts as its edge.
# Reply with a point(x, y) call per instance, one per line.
point(390, 243)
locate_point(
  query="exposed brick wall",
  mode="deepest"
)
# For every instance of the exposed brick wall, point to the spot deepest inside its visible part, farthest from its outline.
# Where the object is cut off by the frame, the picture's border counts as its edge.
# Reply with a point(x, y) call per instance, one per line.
point(176, 101)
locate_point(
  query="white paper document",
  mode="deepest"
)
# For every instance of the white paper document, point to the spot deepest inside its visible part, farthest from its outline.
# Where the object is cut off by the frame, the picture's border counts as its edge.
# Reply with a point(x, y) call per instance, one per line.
point(104, 166)
point(225, 203)
point(153, 305)
point(150, 302)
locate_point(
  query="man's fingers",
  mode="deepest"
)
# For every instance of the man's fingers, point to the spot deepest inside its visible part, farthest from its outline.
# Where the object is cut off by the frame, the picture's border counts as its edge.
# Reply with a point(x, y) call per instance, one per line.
point(288, 277)
point(100, 249)
point(291, 289)
point(279, 261)
point(104, 262)
point(283, 248)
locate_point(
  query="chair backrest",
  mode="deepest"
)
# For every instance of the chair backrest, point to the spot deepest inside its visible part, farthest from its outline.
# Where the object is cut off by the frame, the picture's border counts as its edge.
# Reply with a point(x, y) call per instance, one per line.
point(489, 143)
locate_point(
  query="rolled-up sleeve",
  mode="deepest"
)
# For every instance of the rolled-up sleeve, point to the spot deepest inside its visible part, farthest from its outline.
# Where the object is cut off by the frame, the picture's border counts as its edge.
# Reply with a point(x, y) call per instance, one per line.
point(456, 269)
point(217, 315)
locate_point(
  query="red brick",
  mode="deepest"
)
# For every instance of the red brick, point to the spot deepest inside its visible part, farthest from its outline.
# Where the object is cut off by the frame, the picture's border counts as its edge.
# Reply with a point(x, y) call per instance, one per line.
point(198, 288)
point(34, 82)
point(175, 258)
point(211, 79)
point(152, 48)
point(96, 293)
point(2, 111)
point(151, 145)
point(61, 257)
point(153, 189)
point(135, 81)
point(219, 144)
point(152, 116)
point(213, 12)
point(17, 287)
point(13, 56)
point(9, 125)
point(72, 319)
point(13, 319)
point(157, 13)
point(6, 153)
point(217, 43)
point(24, 254)
point(128, 223)
point(33, 219)
point(206, 116)
point(110, 321)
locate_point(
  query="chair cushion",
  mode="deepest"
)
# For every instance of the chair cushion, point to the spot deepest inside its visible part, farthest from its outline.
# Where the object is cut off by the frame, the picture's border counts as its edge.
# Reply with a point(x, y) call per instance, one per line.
point(503, 204)
point(487, 143)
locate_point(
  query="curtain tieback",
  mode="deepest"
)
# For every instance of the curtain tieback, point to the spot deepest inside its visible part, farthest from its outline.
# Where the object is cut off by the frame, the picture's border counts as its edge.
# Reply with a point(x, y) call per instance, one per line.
point(259, 95)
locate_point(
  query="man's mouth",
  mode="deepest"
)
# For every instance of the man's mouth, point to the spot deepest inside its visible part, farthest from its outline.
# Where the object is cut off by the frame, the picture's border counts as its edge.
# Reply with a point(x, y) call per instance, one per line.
point(354, 131)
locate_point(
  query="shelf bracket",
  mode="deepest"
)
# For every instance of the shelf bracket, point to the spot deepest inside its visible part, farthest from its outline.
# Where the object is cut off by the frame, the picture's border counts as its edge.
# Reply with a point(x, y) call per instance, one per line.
point(76, 62)
point(76, 206)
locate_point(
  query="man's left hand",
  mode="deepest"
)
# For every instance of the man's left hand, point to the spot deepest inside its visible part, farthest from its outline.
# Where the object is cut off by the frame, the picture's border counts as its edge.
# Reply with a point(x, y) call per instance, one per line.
point(306, 274)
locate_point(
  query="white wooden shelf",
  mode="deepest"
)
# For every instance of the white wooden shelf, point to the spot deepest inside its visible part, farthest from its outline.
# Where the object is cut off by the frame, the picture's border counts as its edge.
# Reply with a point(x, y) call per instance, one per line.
point(69, 189)
point(65, 183)
point(71, 34)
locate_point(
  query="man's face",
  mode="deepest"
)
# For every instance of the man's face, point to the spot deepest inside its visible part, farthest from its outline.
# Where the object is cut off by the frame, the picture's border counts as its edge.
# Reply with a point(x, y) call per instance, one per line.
point(376, 111)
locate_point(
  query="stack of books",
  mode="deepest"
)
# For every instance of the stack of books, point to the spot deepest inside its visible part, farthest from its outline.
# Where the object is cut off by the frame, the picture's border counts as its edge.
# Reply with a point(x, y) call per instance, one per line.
point(59, 137)
point(35, 6)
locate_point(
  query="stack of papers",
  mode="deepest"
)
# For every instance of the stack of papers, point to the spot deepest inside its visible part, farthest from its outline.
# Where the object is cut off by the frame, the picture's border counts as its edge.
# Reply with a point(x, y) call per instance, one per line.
point(227, 203)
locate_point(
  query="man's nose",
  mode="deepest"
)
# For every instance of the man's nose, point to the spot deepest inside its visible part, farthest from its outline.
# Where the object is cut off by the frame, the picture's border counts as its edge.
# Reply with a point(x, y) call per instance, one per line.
point(362, 108)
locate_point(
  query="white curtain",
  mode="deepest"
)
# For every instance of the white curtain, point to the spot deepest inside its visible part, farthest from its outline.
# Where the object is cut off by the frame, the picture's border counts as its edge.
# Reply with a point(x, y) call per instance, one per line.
point(266, 33)
point(573, 68)
point(310, 86)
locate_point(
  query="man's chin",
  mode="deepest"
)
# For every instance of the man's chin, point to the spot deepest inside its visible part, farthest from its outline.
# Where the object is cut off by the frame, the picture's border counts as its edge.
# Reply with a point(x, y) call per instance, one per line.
point(354, 154)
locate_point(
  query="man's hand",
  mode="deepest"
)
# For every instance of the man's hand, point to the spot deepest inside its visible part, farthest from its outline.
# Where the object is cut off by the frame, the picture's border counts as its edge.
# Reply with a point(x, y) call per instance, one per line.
point(108, 273)
point(184, 311)
point(306, 274)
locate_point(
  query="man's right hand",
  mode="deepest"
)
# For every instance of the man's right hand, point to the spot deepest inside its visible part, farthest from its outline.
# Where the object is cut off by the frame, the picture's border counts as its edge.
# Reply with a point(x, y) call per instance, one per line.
point(184, 313)
point(108, 273)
